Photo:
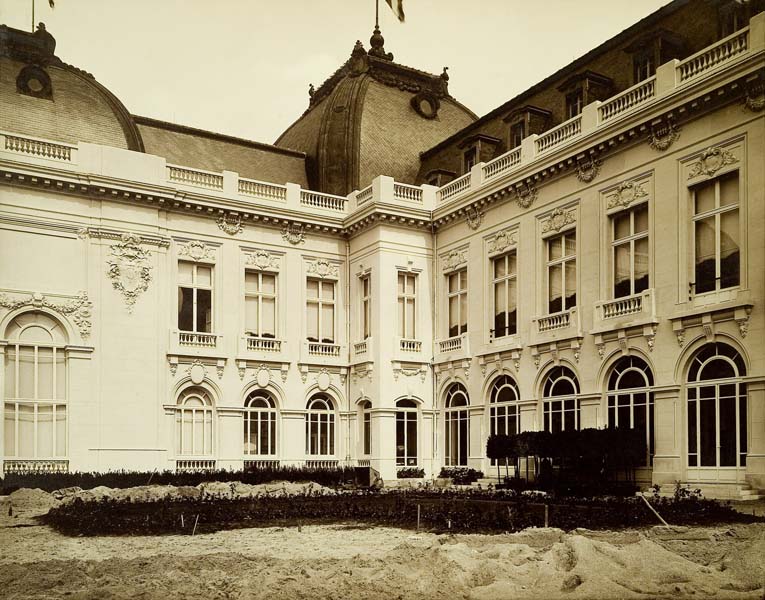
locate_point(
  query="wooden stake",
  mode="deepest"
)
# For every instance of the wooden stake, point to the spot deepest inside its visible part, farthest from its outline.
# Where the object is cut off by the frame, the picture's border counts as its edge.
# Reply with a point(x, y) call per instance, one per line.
point(653, 510)
point(418, 518)
point(547, 515)
point(182, 525)
point(195, 525)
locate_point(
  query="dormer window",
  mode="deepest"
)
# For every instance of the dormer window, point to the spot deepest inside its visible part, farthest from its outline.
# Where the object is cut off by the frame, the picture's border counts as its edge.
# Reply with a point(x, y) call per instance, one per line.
point(439, 177)
point(732, 16)
point(582, 89)
point(525, 121)
point(574, 103)
point(653, 49)
point(478, 148)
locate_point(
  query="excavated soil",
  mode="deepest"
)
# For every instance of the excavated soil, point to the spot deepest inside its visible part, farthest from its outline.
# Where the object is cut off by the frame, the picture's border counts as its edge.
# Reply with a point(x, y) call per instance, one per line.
point(355, 561)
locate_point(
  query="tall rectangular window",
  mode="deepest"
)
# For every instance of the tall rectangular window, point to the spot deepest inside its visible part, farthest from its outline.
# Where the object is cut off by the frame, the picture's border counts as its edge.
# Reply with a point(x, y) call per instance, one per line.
point(320, 311)
point(407, 305)
point(716, 234)
point(630, 251)
point(574, 103)
point(260, 304)
point(195, 289)
point(561, 272)
point(458, 309)
point(366, 306)
point(505, 295)
point(470, 159)
point(517, 133)
point(643, 66)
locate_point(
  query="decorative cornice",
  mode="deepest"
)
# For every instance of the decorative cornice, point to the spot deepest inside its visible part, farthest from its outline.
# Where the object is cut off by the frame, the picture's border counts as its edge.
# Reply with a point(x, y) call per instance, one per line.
point(77, 307)
point(502, 240)
point(558, 219)
point(454, 259)
point(262, 259)
point(104, 233)
point(710, 161)
point(196, 251)
point(626, 193)
point(230, 224)
point(129, 269)
point(321, 267)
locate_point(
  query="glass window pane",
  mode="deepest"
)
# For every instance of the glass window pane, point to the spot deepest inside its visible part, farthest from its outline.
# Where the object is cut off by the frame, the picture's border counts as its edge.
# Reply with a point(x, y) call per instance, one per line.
point(500, 267)
point(729, 189)
point(641, 219)
point(45, 373)
point(411, 436)
point(26, 430)
point(570, 284)
point(61, 430)
point(268, 314)
point(622, 225)
point(328, 323)
point(401, 283)
point(9, 429)
point(729, 249)
point(555, 285)
point(60, 376)
point(327, 290)
point(185, 309)
point(453, 282)
point(10, 372)
point(312, 288)
point(312, 322)
point(269, 284)
point(622, 281)
point(204, 276)
point(463, 313)
point(251, 282)
point(555, 248)
point(453, 316)
point(26, 372)
point(401, 318)
point(204, 311)
point(251, 315)
point(511, 264)
point(409, 319)
point(410, 285)
point(570, 244)
point(45, 430)
point(707, 426)
point(705, 255)
point(185, 270)
point(704, 197)
point(641, 265)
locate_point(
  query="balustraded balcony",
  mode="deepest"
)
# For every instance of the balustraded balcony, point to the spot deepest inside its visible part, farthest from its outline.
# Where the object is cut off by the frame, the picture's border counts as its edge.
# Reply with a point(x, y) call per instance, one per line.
point(35, 466)
point(194, 465)
point(262, 344)
point(192, 339)
point(253, 464)
point(322, 349)
point(407, 345)
point(322, 464)
point(637, 309)
point(453, 348)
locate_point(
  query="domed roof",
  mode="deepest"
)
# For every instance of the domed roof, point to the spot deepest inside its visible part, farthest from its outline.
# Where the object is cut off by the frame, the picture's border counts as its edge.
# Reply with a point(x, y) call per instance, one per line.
point(373, 117)
point(41, 96)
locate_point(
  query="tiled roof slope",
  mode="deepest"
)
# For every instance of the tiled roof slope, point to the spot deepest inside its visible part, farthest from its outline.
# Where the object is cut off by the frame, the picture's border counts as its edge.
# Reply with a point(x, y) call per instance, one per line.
point(210, 151)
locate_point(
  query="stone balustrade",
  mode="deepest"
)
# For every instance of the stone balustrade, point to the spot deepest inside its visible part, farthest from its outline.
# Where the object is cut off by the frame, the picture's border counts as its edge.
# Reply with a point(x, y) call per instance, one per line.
point(364, 195)
point(360, 348)
point(319, 200)
point(262, 190)
point(195, 177)
point(260, 463)
point(452, 189)
point(450, 344)
point(406, 345)
point(706, 60)
point(39, 148)
point(261, 344)
point(627, 100)
point(554, 321)
point(323, 349)
point(35, 466)
point(198, 340)
point(407, 193)
point(557, 135)
point(502, 164)
point(194, 465)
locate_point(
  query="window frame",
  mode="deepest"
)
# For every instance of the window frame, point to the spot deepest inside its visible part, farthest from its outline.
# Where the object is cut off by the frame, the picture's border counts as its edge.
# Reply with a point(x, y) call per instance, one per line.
point(556, 374)
point(194, 286)
point(320, 303)
point(365, 407)
point(622, 366)
point(462, 277)
point(405, 415)
point(505, 280)
point(259, 296)
point(207, 409)
point(272, 423)
point(630, 239)
point(457, 417)
point(403, 300)
point(365, 304)
point(574, 103)
point(313, 416)
point(562, 261)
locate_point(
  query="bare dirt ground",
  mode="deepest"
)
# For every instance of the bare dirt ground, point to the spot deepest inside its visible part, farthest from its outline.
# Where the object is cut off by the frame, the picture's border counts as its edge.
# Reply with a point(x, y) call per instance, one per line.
point(354, 561)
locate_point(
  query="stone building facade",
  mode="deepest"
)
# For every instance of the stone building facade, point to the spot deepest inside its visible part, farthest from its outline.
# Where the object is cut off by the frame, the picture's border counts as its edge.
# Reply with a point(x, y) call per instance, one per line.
point(396, 278)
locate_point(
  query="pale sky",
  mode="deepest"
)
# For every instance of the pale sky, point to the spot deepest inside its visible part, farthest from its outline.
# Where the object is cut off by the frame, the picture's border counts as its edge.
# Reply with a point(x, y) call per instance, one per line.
point(242, 67)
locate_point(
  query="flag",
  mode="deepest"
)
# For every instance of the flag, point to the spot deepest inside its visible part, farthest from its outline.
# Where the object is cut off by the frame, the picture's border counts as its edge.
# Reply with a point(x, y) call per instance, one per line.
point(52, 3)
point(397, 6)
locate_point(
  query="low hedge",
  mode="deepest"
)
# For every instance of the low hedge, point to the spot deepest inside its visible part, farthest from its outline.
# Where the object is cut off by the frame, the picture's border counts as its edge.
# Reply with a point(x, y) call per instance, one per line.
point(461, 475)
point(410, 473)
point(124, 479)
point(479, 511)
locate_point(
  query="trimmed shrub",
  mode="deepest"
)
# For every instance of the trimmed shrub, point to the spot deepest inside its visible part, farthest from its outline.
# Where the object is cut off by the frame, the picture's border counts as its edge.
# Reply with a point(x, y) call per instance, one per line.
point(410, 473)
point(461, 475)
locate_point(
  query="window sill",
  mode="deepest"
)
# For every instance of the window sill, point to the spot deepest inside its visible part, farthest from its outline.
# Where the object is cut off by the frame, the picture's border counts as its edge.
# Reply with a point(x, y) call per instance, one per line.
point(625, 312)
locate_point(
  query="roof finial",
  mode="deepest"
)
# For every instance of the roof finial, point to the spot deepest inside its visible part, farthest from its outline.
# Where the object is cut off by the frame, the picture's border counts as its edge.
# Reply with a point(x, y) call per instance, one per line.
point(377, 41)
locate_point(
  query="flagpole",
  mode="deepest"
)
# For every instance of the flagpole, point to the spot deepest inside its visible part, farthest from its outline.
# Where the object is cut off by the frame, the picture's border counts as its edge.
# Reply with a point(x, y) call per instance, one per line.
point(33, 16)
point(377, 13)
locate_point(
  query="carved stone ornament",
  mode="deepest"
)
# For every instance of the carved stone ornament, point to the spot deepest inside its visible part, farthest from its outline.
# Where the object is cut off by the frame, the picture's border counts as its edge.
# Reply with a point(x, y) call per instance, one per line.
point(558, 219)
point(662, 136)
point(474, 218)
point(263, 377)
point(129, 269)
point(197, 372)
point(711, 161)
point(294, 234)
point(601, 350)
point(526, 195)
point(262, 259)
point(626, 194)
point(501, 241)
point(231, 224)
point(196, 250)
point(321, 267)
point(421, 371)
point(588, 170)
point(77, 308)
point(454, 259)
point(323, 380)
point(755, 97)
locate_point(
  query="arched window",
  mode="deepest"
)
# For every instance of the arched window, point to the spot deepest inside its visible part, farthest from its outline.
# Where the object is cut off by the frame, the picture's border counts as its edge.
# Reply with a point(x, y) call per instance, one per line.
point(504, 409)
point(260, 424)
point(717, 415)
point(366, 427)
point(320, 426)
point(406, 433)
point(194, 423)
point(35, 388)
point(561, 405)
point(457, 426)
point(630, 398)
